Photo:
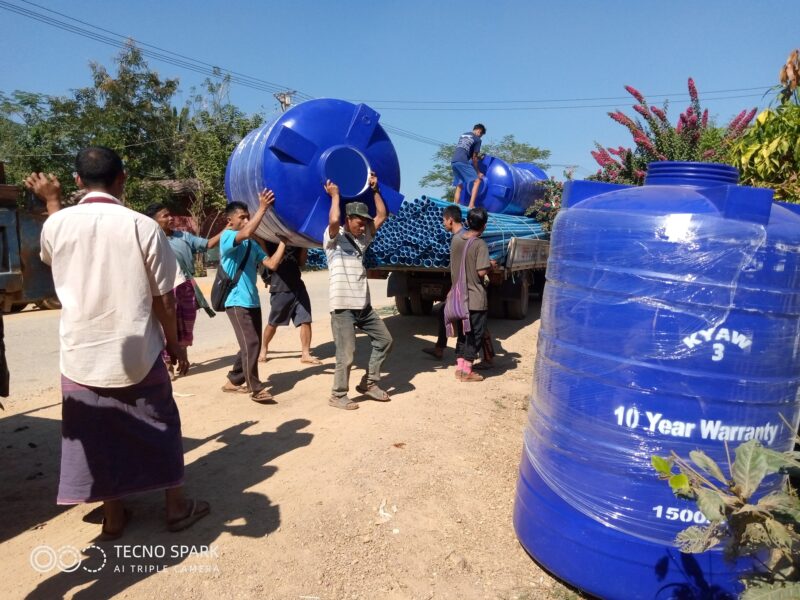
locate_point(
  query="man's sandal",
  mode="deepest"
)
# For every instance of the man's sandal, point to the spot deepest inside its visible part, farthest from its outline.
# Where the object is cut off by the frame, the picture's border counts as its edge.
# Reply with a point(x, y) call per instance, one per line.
point(262, 397)
point(110, 536)
point(239, 389)
point(342, 402)
point(470, 377)
point(373, 391)
point(197, 510)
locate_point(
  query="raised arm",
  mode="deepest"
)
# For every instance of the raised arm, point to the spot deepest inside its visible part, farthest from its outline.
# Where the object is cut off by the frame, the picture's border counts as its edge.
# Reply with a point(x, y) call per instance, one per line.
point(335, 213)
point(265, 201)
point(272, 262)
point(380, 206)
point(214, 241)
point(46, 187)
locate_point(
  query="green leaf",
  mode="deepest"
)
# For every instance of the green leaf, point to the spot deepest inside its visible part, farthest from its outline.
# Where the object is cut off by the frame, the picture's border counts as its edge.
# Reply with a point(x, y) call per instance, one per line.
point(776, 461)
point(777, 591)
point(662, 465)
point(695, 539)
point(679, 483)
point(711, 504)
point(782, 503)
point(707, 464)
point(749, 468)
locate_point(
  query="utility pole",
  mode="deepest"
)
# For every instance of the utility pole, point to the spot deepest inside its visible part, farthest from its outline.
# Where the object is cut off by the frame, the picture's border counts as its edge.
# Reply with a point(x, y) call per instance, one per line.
point(285, 99)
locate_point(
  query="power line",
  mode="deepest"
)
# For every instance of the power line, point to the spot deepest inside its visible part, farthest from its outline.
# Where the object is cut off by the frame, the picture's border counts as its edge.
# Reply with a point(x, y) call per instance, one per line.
point(527, 108)
point(681, 95)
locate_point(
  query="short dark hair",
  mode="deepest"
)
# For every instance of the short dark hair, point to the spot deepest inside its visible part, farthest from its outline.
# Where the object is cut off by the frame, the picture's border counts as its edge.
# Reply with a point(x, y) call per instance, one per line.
point(98, 166)
point(477, 218)
point(452, 212)
point(153, 209)
point(481, 127)
point(234, 207)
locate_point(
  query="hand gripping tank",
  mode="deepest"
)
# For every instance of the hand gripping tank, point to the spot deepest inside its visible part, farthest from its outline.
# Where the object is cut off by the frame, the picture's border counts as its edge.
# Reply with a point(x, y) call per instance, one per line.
point(295, 153)
point(507, 189)
point(669, 322)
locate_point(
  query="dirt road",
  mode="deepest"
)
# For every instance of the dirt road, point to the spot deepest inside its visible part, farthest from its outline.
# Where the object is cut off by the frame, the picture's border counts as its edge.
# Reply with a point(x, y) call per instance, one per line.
point(410, 499)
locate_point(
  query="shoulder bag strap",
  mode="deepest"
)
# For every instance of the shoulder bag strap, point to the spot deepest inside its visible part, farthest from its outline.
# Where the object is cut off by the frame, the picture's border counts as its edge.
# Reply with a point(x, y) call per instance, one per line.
point(463, 274)
point(240, 268)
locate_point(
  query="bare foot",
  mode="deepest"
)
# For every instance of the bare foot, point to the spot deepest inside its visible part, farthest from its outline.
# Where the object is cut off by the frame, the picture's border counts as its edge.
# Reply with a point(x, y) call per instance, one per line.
point(310, 360)
point(263, 358)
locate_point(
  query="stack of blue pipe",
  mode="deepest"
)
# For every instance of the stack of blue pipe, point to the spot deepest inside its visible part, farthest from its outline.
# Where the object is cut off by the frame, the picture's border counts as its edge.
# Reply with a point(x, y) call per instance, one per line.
point(316, 260)
point(414, 237)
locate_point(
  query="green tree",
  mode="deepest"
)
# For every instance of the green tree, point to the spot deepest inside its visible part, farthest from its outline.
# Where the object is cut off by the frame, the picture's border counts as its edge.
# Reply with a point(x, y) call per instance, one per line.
point(130, 112)
point(768, 153)
point(210, 127)
point(508, 149)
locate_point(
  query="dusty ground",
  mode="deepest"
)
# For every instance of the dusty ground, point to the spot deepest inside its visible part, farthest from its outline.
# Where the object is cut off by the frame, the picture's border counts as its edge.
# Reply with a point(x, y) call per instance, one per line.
point(410, 499)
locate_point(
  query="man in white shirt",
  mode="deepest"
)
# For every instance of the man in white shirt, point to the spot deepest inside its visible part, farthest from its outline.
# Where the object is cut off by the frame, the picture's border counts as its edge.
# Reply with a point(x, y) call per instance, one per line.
point(349, 294)
point(114, 272)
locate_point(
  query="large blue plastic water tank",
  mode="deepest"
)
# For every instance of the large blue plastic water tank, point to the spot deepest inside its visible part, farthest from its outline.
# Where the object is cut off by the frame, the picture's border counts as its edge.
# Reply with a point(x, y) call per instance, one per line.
point(508, 189)
point(295, 153)
point(670, 321)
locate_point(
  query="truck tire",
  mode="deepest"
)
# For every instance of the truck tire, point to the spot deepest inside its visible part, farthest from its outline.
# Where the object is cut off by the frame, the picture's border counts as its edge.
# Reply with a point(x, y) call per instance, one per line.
point(539, 279)
point(518, 307)
point(420, 306)
point(403, 305)
point(496, 307)
point(49, 304)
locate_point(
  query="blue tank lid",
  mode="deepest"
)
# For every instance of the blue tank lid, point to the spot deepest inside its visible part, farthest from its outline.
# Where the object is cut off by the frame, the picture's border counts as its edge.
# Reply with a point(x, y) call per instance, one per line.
point(690, 173)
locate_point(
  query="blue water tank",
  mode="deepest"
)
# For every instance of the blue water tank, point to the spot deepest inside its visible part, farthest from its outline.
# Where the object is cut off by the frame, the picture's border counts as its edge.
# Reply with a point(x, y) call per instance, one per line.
point(508, 189)
point(670, 321)
point(295, 153)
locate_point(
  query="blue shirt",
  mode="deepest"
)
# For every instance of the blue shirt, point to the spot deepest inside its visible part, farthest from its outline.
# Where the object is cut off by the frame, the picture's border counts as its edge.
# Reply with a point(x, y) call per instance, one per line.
point(245, 293)
point(184, 245)
point(467, 145)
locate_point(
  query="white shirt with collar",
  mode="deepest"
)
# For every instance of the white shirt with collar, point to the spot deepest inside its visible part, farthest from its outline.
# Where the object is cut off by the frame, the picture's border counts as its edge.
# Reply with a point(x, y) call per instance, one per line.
point(108, 263)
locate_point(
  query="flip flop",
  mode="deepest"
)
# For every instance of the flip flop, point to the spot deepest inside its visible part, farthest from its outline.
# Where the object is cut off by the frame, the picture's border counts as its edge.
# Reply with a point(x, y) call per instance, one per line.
point(239, 389)
point(342, 402)
point(263, 397)
point(110, 536)
point(373, 391)
point(470, 377)
point(311, 361)
point(197, 510)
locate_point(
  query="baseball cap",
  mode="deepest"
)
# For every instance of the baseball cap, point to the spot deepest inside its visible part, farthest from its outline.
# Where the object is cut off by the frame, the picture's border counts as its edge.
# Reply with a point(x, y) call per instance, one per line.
point(357, 209)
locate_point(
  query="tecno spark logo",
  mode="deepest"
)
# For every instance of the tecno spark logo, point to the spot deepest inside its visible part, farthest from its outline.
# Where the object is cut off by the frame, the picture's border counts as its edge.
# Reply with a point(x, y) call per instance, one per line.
point(67, 559)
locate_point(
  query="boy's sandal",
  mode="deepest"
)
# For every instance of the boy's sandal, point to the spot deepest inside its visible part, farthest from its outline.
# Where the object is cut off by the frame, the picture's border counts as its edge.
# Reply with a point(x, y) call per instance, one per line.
point(373, 391)
point(197, 510)
point(342, 402)
point(262, 396)
point(239, 389)
point(470, 377)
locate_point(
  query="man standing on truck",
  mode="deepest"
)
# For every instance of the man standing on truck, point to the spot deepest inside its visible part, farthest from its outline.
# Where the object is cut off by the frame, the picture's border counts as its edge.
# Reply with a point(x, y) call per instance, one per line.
point(187, 295)
point(289, 301)
point(114, 272)
point(476, 266)
point(349, 294)
point(467, 176)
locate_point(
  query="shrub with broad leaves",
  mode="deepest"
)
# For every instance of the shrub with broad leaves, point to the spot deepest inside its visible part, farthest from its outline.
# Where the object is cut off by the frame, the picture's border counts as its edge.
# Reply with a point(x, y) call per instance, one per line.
point(694, 137)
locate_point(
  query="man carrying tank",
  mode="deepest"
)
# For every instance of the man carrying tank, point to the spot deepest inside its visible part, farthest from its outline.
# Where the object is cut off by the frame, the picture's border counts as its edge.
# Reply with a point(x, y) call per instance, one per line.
point(243, 305)
point(349, 294)
point(289, 301)
point(467, 176)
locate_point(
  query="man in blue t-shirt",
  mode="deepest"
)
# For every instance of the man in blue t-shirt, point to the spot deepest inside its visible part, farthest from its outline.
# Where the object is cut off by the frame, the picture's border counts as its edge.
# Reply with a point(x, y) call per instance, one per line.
point(467, 175)
point(243, 305)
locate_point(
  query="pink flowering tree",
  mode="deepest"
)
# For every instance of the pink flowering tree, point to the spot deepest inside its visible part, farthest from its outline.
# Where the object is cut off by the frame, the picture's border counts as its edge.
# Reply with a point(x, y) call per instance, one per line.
point(694, 137)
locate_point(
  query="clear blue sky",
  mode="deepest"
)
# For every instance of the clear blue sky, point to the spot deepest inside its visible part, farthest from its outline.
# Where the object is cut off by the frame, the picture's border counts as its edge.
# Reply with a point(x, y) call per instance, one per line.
point(383, 52)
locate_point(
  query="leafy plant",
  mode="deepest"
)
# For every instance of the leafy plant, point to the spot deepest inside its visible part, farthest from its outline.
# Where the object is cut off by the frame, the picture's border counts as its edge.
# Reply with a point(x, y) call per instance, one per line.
point(768, 154)
point(694, 137)
point(545, 210)
point(765, 526)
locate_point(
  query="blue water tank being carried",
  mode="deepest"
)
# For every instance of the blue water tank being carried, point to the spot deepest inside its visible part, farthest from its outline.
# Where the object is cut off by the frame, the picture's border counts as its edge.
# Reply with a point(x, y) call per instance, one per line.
point(670, 321)
point(507, 189)
point(295, 153)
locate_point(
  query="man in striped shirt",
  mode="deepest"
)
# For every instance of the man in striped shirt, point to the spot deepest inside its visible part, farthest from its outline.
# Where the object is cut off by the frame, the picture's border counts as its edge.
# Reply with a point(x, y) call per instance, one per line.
point(349, 294)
